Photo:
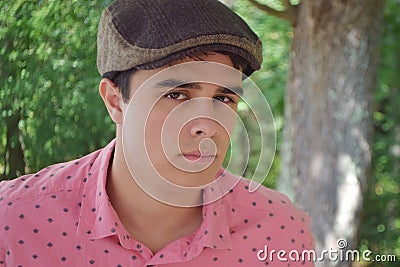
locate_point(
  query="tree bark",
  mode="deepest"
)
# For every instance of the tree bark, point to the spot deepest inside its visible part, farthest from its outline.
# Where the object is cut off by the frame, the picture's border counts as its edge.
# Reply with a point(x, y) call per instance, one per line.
point(14, 160)
point(326, 151)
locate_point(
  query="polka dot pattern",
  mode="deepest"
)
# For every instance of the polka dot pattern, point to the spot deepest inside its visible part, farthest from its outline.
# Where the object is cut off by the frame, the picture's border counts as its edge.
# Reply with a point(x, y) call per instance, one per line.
point(61, 216)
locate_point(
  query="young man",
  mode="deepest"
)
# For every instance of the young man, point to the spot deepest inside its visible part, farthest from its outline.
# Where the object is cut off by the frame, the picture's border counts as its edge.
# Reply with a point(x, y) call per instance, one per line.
point(99, 210)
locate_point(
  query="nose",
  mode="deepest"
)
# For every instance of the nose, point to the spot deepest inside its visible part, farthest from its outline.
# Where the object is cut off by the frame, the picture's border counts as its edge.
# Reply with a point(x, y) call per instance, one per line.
point(203, 113)
point(203, 127)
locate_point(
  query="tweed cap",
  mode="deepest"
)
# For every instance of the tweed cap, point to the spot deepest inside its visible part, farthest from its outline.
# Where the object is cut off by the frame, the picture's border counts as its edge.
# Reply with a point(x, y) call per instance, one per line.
point(147, 34)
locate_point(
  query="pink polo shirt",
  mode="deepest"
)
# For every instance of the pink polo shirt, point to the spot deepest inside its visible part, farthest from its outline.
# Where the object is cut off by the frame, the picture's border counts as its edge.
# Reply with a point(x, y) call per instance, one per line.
point(61, 216)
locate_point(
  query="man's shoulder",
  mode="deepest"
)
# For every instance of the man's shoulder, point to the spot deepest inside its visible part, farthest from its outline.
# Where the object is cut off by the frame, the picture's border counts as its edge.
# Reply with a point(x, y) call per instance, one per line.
point(262, 193)
point(58, 177)
point(265, 202)
point(267, 217)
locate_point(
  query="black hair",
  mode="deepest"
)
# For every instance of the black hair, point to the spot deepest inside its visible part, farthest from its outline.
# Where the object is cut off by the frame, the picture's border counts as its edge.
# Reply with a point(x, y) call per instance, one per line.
point(122, 78)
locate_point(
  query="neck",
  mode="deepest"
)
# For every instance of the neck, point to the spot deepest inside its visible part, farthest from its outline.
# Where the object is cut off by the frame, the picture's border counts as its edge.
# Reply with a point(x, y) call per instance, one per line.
point(149, 221)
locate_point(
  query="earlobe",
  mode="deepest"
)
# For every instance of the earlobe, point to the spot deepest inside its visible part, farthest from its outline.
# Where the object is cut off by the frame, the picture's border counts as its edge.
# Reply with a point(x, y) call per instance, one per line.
point(112, 98)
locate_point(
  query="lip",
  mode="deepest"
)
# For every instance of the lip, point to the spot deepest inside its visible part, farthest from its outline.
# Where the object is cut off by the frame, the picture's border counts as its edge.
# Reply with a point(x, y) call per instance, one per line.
point(199, 157)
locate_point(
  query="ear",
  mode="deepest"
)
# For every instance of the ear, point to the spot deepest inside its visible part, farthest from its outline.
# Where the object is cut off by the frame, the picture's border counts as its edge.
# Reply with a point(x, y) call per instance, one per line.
point(112, 98)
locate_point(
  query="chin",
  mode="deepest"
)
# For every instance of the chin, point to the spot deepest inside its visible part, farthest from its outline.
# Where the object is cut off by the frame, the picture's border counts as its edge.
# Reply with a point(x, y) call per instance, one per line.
point(196, 179)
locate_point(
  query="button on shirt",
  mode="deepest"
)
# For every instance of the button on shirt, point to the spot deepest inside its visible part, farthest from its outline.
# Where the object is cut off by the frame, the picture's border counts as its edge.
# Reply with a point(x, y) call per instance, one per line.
point(61, 216)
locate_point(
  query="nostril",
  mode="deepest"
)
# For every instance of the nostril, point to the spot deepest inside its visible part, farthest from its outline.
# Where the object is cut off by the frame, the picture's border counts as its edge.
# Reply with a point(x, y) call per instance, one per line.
point(200, 128)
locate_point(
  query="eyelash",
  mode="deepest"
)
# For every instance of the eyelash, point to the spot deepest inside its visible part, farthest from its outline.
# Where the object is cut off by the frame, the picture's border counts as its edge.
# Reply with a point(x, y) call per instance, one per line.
point(168, 97)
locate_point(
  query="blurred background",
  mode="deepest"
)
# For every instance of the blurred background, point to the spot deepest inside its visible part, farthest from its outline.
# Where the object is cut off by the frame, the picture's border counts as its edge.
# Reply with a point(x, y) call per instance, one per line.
point(50, 109)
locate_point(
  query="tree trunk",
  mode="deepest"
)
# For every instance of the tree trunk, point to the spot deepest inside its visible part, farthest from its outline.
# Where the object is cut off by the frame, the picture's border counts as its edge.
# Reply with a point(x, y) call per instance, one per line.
point(326, 152)
point(14, 162)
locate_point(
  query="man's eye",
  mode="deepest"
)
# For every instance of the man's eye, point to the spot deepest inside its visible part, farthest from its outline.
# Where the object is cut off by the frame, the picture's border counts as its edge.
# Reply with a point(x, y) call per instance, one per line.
point(176, 96)
point(224, 99)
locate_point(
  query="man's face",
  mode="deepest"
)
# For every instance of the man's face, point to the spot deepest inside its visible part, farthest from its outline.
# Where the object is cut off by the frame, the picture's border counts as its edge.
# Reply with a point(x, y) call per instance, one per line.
point(189, 124)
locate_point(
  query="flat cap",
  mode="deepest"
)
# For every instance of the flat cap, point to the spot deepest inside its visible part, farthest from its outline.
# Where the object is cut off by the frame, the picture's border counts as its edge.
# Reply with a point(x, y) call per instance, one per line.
point(147, 34)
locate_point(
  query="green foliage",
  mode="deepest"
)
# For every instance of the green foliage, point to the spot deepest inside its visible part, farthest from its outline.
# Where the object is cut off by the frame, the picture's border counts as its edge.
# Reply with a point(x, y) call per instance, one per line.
point(380, 229)
point(276, 36)
point(48, 69)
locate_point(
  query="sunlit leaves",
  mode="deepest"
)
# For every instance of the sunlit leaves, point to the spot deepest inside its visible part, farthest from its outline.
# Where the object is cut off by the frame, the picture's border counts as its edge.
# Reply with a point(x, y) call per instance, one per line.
point(48, 63)
point(275, 35)
point(380, 229)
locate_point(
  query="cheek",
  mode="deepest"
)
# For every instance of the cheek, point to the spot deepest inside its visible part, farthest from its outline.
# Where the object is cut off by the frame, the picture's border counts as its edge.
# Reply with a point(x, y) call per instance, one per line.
point(224, 142)
point(154, 126)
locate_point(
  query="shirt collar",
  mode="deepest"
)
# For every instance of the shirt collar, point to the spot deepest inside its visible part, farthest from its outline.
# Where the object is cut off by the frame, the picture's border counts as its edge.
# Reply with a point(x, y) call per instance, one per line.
point(214, 233)
point(98, 219)
point(216, 215)
point(216, 226)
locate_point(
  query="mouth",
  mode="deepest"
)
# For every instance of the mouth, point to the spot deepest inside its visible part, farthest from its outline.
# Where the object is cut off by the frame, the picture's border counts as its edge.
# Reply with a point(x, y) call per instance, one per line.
point(199, 156)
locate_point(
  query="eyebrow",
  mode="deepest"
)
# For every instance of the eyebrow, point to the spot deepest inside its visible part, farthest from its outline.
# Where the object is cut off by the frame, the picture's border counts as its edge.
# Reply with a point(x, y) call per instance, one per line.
point(173, 83)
